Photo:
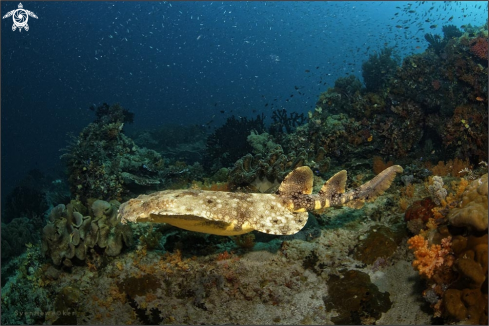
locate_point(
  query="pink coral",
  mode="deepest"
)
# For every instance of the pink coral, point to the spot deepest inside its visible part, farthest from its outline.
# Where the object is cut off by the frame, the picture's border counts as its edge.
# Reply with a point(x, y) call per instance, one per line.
point(429, 260)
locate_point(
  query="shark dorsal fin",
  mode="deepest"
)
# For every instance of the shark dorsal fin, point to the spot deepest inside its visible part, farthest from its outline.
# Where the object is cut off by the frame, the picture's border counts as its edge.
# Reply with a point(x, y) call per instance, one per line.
point(335, 185)
point(299, 181)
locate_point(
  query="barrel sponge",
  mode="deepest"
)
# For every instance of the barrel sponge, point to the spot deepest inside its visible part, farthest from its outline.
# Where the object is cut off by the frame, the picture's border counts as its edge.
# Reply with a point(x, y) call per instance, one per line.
point(472, 210)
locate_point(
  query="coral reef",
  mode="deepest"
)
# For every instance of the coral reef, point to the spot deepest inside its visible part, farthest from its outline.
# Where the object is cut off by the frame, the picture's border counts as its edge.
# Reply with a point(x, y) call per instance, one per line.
point(437, 43)
point(229, 142)
point(16, 235)
point(283, 123)
point(174, 142)
point(25, 300)
point(451, 254)
point(344, 265)
point(472, 211)
point(24, 210)
point(261, 172)
point(379, 67)
point(104, 163)
point(451, 31)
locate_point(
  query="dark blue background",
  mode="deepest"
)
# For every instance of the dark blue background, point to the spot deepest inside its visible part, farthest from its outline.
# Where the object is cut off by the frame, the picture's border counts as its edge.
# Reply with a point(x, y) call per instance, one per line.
point(184, 62)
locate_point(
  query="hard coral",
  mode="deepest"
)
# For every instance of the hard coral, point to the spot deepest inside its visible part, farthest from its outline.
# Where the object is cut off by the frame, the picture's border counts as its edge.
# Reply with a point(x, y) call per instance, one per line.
point(466, 299)
point(472, 211)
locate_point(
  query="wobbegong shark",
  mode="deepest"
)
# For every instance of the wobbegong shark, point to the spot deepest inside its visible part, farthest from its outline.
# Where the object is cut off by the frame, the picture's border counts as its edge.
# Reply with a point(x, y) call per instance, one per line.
point(229, 213)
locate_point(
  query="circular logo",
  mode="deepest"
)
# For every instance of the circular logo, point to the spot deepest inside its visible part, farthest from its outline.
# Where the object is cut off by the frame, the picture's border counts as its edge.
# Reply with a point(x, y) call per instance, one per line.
point(20, 18)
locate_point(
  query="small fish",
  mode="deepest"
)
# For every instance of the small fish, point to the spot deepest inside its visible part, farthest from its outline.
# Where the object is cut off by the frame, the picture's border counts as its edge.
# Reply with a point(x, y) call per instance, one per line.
point(433, 26)
point(450, 19)
point(480, 99)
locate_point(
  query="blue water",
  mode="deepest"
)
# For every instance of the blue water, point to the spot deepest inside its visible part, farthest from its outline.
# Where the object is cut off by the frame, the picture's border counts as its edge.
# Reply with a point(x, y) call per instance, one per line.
point(185, 62)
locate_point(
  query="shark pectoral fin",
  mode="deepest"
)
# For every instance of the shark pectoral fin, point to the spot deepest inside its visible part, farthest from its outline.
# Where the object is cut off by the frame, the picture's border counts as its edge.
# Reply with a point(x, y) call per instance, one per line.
point(335, 185)
point(299, 181)
point(201, 224)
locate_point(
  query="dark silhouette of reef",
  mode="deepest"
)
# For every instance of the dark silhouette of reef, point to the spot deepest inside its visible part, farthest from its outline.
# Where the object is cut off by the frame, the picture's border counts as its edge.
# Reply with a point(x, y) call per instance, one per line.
point(437, 43)
point(379, 67)
point(451, 31)
point(229, 142)
point(110, 114)
point(285, 123)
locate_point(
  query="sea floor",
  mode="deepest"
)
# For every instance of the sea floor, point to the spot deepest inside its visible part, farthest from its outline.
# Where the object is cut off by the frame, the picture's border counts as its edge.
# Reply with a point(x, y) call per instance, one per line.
point(314, 277)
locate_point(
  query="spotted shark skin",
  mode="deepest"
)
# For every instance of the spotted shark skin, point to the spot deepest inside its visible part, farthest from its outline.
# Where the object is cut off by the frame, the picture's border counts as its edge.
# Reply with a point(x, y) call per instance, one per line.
point(228, 213)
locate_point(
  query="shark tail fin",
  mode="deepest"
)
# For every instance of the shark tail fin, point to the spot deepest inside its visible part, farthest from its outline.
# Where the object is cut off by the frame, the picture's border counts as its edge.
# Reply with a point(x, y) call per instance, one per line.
point(370, 190)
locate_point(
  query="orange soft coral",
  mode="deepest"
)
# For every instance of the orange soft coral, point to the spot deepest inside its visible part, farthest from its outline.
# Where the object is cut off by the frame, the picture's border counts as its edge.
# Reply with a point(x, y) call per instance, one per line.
point(429, 260)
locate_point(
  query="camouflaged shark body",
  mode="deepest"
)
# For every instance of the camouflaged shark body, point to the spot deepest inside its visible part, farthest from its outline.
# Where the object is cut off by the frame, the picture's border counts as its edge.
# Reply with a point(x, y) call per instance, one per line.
point(227, 213)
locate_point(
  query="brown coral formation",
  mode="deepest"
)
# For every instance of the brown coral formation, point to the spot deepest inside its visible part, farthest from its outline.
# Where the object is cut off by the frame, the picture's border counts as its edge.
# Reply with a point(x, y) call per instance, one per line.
point(356, 300)
point(73, 232)
point(379, 242)
point(472, 211)
point(466, 299)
